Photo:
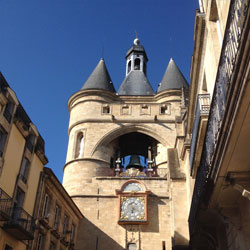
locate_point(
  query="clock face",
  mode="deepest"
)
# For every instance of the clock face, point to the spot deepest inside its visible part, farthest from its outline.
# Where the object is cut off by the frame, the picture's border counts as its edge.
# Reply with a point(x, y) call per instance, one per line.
point(133, 209)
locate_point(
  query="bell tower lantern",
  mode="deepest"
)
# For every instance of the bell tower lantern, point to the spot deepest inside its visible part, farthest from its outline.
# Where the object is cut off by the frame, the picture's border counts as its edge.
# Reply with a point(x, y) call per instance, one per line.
point(136, 58)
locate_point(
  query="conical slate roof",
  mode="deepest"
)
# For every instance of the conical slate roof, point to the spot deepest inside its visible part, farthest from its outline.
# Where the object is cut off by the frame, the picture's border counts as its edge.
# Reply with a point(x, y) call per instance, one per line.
point(136, 83)
point(172, 78)
point(99, 78)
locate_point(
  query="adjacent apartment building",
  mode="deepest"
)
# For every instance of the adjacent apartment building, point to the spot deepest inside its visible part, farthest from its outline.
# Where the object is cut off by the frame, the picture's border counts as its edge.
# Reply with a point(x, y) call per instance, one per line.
point(57, 217)
point(35, 210)
point(217, 137)
point(22, 161)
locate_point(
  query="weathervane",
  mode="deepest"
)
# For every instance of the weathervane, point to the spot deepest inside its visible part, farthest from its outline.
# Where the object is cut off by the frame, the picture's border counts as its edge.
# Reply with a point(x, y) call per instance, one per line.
point(136, 34)
point(136, 41)
point(102, 49)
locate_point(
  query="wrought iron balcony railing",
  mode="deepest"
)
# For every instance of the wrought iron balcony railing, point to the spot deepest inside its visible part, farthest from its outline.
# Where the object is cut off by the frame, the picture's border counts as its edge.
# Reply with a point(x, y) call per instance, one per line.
point(5, 206)
point(238, 13)
point(20, 225)
point(202, 109)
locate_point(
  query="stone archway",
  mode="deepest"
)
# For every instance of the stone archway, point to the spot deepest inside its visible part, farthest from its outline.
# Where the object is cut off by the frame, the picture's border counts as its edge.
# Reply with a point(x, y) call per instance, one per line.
point(107, 138)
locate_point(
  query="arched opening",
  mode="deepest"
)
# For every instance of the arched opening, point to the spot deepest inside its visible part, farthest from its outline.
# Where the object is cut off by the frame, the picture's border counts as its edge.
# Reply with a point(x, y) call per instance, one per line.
point(132, 154)
point(129, 67)
point(136, 149)
point(136, 144)
point(79, 145)
point(137, 64)
point(116, 133)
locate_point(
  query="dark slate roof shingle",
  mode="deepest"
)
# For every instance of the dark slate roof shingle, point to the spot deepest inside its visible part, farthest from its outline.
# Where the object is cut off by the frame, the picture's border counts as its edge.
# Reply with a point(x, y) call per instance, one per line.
point(136, 83)
point(172, 78)
point(99, 78)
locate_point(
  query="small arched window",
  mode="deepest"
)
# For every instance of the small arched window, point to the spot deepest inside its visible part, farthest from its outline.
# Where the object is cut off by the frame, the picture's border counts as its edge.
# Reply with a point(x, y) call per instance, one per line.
point(79, 145)
point(129, 67)
point(137, 64)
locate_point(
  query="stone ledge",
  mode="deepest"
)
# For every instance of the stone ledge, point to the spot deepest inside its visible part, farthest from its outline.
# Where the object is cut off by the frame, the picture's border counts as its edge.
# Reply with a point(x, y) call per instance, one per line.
point(128, 178)
point(113, 196)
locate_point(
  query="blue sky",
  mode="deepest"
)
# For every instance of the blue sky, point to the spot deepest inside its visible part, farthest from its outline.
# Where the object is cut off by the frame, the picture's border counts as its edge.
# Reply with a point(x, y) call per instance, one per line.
point(48, 48)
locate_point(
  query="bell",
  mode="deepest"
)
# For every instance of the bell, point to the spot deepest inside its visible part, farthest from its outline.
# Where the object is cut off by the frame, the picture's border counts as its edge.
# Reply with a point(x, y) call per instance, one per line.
point(134, 162)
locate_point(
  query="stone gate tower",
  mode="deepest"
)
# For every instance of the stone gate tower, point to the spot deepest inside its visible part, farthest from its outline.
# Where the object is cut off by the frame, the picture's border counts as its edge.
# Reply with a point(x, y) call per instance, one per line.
point(123, 168)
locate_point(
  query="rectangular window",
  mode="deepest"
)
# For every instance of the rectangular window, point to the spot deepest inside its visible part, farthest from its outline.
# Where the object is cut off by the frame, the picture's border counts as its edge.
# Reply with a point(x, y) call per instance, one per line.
point(165, 109)
point(39, 245)
point(19, 198)
point(30, 141)
point(45, 212)
point(8, 111)
point(57, 216)
point(24, 172)
point(65, 223)
point(3, 137)
point(163, 245)
point(18, 203)
point(106, 109)
point(132, 246)
point(72, 235)
point(145, 109)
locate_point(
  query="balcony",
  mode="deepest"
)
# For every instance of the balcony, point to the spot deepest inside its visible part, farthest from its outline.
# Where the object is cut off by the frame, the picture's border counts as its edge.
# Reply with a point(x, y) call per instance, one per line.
point(226, 87)
point(199, 130)
point(20, 225)
point(5, 206)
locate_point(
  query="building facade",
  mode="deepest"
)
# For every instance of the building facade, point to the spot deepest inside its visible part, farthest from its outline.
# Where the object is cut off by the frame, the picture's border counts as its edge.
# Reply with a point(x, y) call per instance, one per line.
point(35, 210)
point(218, 135)
point(128, 204)
point(21, 161)
point(57, 216)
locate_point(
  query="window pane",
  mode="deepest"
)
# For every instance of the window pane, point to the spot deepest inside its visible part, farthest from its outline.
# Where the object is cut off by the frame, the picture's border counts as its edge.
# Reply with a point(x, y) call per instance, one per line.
point(24, 170)
point(57, 216)
point(3, 136)
point(39, 242)
point(46, 206)
point(72, 236)
point(8, 111)
point(30, 142)
point(65, 224)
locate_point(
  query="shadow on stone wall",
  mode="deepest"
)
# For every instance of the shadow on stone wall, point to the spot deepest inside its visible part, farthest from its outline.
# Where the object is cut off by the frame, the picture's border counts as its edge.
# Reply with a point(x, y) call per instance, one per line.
point(180, 242)
point(153, 215)
point(90, 237)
